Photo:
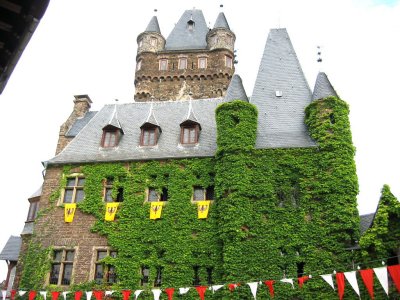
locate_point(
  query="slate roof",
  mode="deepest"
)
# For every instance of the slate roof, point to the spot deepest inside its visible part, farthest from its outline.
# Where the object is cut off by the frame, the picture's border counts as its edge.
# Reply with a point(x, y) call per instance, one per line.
point(181, 38)
point(236, 90)
point(114, 119)
point(38, 193)
point(221, 21)
point(153, 26)
point(323, 87)
point(80, 123)
point(11, 249)
point(281, 119)
point(366, 222)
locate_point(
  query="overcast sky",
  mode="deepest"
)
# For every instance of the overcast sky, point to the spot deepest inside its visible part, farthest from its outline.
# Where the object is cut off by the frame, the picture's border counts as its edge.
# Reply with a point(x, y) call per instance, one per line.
point(89, 47)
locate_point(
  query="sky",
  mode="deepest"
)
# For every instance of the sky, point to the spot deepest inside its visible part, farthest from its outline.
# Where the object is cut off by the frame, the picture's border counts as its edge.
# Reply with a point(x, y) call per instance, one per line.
point(89, 47)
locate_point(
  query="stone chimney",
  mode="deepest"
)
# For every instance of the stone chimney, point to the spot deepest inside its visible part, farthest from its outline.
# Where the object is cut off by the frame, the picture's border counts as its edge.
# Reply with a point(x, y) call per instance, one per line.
point(81, 107)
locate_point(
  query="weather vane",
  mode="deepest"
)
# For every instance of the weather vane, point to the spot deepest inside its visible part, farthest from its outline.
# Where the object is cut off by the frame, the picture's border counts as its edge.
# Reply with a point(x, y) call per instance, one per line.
point(319, 59)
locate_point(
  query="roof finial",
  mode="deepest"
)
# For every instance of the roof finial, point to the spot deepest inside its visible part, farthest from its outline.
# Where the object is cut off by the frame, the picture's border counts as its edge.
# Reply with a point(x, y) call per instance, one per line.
point(221, 6)
point(155, 11)
point(319, 58)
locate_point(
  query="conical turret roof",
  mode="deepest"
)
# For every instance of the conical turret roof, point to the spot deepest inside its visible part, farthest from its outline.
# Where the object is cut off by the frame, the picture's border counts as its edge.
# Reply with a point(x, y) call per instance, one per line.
point(323, 87)
point(236, 90)
point(153, 25)
point(221, 21)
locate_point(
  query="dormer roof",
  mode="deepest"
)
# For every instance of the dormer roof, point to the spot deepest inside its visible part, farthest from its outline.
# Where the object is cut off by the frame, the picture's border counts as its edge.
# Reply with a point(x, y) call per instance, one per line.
point(182, 37)
point(236, 90)
point(153, 25)
point(114, 122)
point(221, 21)
point(323, 87)
point(190, 117)
point(151, 119)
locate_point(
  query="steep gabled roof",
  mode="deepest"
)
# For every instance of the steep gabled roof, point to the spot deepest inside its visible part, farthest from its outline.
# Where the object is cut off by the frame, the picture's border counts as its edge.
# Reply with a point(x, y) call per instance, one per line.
point(11, 249)
point(323, 87)
point(366, 222)
point(182, 38)
point(221, 21)
point(236, 90)
point(281, 94)
point(153, 26)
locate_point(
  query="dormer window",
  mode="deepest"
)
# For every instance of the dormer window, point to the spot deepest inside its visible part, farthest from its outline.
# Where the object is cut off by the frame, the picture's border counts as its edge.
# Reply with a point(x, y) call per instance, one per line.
point(190, 132)
point(110, 136)
point(190, 25)
point(149, 135)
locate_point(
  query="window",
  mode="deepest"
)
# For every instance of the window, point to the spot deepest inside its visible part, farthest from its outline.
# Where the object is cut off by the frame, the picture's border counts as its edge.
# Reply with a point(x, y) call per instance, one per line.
point(200, 193)
point(33, 210)
point(189, 134)
point(209, 276)
point(163, 64)
point(140, 43)
point(61, 267)
point(196, 276)
point(190, 24)
point(145, 276)
point(108, 188)
point(139, 65)
point(182, 63)
point(228, 61)
point(154, 196)
point(104, 273)
point(153, 41)
point(202, 63)
point(73, 192)
point(149, 136)
point(229, 38)
point(110, 137)
point(158, 280)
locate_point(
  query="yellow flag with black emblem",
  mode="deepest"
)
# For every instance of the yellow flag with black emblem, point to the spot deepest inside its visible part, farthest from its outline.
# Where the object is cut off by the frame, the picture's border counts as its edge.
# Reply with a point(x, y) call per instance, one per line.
point(69, 212)
point(111, 209)
point(155, 210)
point(202, 209)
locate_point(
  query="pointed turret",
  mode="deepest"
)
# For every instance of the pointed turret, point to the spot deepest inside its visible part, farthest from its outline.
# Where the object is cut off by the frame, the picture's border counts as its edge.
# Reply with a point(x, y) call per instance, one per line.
point(281, 94)
point(221, 22)
point(236, 90)
point(153, 25)
point(151, 40)
point(323, 87)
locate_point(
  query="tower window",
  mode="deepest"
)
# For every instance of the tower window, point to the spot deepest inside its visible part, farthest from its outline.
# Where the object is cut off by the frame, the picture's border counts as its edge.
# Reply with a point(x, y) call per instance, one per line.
point(182, 63)
point(139, 65)
point(140, 43)
point(202, 63)
point(163, 64)
point(228, 61)
point(153, 41)
point(73, 192)
point(229, 38)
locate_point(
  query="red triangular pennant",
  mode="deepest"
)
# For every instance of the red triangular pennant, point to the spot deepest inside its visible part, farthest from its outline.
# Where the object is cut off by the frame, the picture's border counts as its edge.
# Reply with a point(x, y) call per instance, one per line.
point(233, 286)
point(170, 293)
point(270, 284)
point(78, 295)
point(368, 279)
point(13, 292)
point(98, 295)
point(126, 294)
point(54, 295)
point(340, 283)
point(201, 290)
point(394, 272)
point(32, 295)
point(302, 279)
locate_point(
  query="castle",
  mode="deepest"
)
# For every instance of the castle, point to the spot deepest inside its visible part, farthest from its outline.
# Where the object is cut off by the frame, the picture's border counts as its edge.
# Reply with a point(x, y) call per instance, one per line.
point(209, 186)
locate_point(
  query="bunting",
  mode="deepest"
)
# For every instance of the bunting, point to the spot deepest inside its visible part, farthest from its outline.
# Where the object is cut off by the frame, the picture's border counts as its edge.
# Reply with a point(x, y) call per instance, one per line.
point(215, 288)
point(368, 279)
point(21, 293)
point(253, 287)
point(270, 284)
point(55, 295)
point(352, 279)
point(69, 212)
point(126, 294)
point(88, 295)
point(155, 210)
point(12, 294)
point(302, 279)
point(137, 293)
point(395, 274)
point(170, 293)
point(201, 290)
point(78, 295)
point(183, 291)
point(328, 279)
point(381, 274)
point(98, 295)
point(111, 209)
point(108, 293)
point(288, 280)
point(156, 293)
point(202, 209)
point(4, 294)
point(65, 295)
point(233, 286)
point(43, 294)
point(340, 283)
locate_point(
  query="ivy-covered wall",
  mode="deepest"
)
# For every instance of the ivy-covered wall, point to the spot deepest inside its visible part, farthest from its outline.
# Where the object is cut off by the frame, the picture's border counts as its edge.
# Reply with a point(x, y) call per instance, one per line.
point(278, 212)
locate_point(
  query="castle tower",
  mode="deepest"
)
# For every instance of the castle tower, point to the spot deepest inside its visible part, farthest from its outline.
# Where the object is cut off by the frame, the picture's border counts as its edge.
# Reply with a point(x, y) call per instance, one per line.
point(194, 59)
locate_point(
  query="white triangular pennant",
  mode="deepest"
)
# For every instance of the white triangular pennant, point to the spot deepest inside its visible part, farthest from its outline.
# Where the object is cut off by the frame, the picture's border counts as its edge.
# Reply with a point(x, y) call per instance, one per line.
point(288, 280)
point(328, 279)
point(108, 293)
point(381, 274)
point(43, 294)
point(156, 293)
point(352, 279)
point(215, 288)
point(88, 295)
point(137, 293)
point(184, 290)
point(65, 295)
point(4, 294)
point(21, 293)
point(253, 287)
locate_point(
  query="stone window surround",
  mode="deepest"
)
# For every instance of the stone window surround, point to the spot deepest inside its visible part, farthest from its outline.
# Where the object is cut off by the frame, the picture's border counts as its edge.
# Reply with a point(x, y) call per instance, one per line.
point(93, 262)
point(74, 262)
point(205, 191)
point(70, 176)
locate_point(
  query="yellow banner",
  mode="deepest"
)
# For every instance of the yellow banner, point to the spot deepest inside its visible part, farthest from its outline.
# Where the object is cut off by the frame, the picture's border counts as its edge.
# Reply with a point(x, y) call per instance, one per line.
point(111, 209)
point(69, 212)
point(202, 209)
point(155, 210)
